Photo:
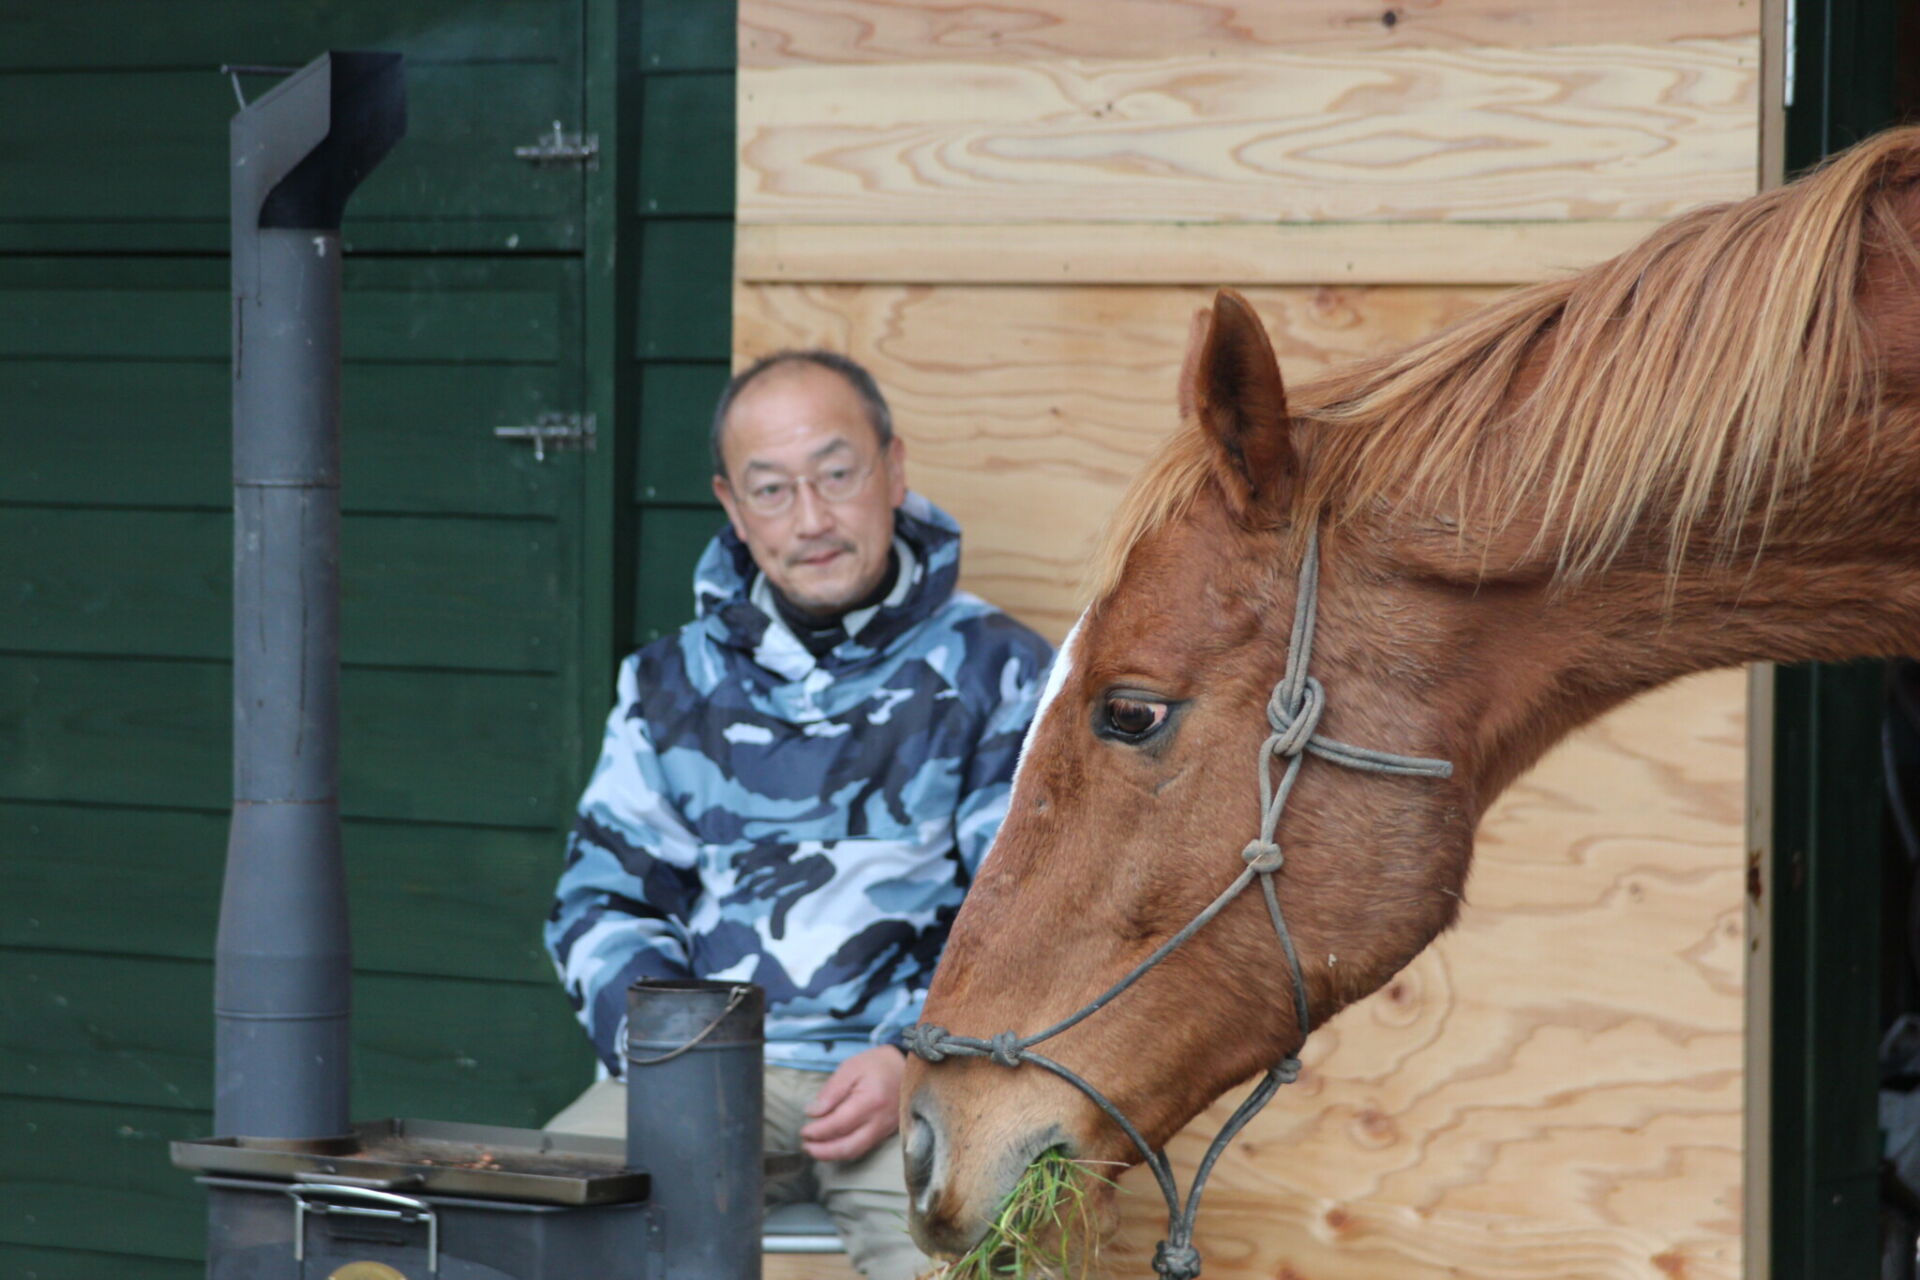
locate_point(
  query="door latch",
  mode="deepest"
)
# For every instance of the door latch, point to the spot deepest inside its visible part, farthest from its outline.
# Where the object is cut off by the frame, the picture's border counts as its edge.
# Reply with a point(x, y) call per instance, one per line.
point(560, 148)
point(555, 431)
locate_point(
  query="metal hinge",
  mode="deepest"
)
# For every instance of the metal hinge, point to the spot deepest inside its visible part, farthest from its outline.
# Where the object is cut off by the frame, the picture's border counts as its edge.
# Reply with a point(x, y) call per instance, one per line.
point(561, 147)
point(554, 431)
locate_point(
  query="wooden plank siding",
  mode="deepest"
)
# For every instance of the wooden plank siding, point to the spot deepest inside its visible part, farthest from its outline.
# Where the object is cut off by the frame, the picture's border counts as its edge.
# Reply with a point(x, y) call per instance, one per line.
point(119, 122)
point(115, 581)
point(1009, 212)
point(439, 900)
point(123, 729)
point(108, 1161)
point(407, 437)
point(477, 1058)
point(464, 633)
point(1177, 253)
point(683, 219)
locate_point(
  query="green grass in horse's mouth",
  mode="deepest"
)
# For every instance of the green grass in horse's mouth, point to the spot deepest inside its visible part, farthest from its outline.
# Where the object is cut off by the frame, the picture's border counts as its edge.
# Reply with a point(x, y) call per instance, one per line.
point(1048, 1226)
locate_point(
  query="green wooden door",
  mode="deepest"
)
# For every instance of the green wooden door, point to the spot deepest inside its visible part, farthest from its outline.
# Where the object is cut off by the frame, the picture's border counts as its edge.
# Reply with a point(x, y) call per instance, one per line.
point(470, 665)
point(116, 119)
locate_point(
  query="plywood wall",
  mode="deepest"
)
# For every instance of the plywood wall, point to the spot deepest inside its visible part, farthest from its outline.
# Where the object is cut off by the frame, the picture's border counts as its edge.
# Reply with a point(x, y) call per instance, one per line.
point(1008, 210)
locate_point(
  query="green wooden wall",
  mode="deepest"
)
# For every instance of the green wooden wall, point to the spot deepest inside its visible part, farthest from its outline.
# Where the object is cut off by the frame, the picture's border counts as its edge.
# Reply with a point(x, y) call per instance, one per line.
point(683, 230)
point(487, 594)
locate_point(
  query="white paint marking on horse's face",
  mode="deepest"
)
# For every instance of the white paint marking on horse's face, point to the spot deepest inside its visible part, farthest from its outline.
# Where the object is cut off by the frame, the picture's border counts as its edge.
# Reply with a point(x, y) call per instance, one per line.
point(1056, 680)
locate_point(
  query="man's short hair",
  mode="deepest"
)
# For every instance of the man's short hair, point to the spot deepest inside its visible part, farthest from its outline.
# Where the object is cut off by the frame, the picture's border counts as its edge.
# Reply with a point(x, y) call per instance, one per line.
point(852, 370)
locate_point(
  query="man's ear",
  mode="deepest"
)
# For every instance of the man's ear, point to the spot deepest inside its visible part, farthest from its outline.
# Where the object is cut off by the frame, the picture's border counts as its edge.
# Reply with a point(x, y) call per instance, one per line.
point(723, 493)
point(1231, 382)
point(894, 463)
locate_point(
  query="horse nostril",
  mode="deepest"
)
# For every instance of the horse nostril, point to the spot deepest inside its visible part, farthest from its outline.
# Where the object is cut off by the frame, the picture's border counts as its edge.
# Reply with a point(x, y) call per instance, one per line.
point(922, 1143)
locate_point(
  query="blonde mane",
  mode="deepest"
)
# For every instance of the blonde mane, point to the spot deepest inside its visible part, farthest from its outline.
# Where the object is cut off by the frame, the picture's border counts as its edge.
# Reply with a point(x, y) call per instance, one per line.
point(1685, 380)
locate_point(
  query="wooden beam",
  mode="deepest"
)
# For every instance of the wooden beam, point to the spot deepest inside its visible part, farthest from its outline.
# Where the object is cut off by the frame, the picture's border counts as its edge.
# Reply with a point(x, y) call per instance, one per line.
point(777, 33)
point(1424, 253)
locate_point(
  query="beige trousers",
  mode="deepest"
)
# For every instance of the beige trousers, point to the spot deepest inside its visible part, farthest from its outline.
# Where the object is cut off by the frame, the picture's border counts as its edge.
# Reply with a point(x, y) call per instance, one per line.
point(866, 1198)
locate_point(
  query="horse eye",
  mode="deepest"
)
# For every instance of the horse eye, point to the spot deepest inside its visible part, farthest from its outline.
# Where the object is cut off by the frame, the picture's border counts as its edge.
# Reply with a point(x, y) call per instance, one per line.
point(1133, 717)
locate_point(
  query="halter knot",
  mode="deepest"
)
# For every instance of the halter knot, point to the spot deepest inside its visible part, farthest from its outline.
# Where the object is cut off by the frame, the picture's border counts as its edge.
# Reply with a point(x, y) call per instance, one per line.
point(1176, 1261)
point(1294, 721)
point(1287, 1070)
point(926, 1041)
point(1263, 856)
point(1005, 1049)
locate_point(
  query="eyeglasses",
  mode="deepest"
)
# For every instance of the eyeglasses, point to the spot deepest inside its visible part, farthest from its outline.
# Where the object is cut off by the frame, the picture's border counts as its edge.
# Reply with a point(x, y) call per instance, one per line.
point(836, 483)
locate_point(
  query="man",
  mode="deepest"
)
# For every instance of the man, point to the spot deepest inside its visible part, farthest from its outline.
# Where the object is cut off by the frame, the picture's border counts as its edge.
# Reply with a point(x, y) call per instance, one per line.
point(798, 786)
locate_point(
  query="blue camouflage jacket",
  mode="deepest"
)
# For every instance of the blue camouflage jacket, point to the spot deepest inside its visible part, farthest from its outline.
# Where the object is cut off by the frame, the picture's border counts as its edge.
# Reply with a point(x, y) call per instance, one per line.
point(807, 825)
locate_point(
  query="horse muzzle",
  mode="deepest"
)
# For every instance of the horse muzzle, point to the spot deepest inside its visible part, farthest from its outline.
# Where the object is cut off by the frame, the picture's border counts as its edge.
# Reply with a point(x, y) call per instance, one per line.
point(960, 1172)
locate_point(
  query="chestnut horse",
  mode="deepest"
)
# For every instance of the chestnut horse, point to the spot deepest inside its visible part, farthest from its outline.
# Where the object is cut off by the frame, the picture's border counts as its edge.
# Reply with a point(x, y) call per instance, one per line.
point(1703, 452)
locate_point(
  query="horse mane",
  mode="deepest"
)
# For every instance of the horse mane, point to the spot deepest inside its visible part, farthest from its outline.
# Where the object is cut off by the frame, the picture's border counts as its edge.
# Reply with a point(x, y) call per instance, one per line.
point(1686, 380)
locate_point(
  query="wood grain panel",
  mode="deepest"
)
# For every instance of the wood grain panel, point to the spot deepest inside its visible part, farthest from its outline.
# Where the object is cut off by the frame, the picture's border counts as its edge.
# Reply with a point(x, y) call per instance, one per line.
point(1027, 410)
point(1587, 131)
point(1554, 1088)
point(776, 33)
point(1473, 253)
point(1003, 209)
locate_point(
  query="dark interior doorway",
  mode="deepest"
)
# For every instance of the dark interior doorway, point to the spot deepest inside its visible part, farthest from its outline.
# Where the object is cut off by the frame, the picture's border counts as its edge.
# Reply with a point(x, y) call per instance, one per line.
point(1842, 889)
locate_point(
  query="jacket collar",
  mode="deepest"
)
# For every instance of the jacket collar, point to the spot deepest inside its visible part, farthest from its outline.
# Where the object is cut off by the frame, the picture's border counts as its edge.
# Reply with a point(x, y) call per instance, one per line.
point(723, 589)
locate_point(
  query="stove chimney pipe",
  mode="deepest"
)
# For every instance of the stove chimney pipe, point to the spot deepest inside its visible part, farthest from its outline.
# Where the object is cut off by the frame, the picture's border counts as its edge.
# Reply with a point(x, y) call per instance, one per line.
point(281, 970)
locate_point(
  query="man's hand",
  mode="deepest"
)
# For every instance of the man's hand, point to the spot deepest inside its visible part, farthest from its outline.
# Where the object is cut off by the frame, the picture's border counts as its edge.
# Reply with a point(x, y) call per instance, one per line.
point(858, 1106)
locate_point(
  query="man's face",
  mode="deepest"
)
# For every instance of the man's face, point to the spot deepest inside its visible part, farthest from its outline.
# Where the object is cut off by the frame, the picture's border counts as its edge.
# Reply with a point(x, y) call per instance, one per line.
point(796, 429)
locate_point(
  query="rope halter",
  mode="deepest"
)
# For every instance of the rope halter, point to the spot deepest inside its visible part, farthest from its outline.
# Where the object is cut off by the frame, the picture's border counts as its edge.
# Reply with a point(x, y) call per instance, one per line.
point(1293, 719)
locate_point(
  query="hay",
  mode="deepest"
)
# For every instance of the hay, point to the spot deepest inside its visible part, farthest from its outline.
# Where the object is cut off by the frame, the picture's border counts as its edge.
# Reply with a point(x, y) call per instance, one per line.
point(1049, 1226)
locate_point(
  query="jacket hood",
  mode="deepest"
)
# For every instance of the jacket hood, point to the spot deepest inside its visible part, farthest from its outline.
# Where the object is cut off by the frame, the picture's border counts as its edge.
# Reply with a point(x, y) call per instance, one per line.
point(723, 584)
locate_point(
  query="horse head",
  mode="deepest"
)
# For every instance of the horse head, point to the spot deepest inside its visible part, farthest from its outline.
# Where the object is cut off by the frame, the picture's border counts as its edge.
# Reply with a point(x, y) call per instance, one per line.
point(1137, 795)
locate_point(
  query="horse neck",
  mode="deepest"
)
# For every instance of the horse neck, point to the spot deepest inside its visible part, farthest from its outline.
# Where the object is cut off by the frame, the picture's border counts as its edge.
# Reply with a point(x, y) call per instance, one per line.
point(1836, 577)
point(1836, 573)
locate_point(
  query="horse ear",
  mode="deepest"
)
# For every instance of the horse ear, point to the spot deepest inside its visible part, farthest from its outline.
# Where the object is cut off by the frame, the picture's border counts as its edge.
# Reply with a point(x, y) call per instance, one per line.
point(1231, 382)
